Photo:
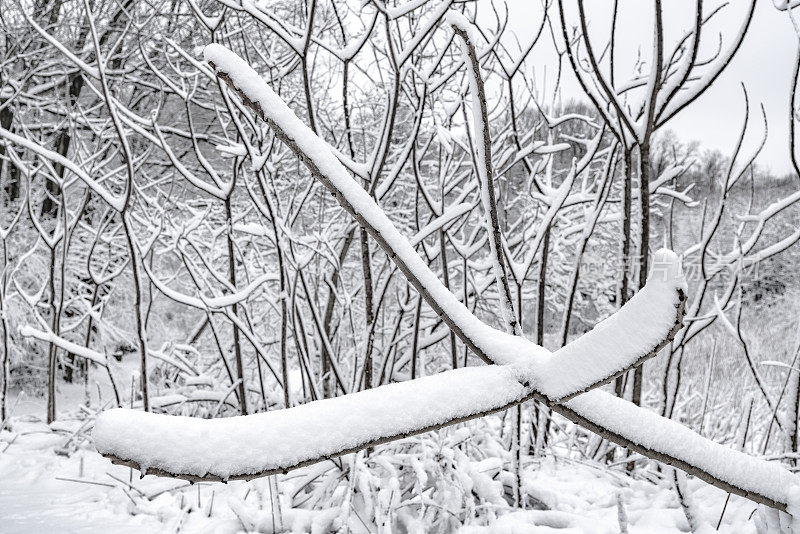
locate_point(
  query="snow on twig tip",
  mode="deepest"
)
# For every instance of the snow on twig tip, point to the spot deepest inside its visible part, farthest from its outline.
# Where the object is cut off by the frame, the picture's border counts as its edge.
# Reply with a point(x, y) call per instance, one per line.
point(667, 268)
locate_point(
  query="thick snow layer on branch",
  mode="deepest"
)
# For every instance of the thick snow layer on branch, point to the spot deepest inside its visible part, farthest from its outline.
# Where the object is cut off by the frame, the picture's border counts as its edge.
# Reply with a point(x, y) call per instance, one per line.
point(280, 440)
point(677, 442)
point(623, 338)
point(504, 346)
point(554, 380)
point(262, 443)
point(240, 447)
point(247, 445)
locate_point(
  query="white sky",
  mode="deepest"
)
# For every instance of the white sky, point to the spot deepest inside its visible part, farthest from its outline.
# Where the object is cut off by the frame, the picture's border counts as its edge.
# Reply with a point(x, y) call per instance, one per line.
point(763, 64)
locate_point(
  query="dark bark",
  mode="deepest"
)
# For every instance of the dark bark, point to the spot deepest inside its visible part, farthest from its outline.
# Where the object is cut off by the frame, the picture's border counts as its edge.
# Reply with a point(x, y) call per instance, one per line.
point(8, 172)
point(237, 345)
point(619, 383)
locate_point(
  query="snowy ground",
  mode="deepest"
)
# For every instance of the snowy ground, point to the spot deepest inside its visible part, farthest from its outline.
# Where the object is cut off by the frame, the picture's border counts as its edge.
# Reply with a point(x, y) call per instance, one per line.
point(52, 480)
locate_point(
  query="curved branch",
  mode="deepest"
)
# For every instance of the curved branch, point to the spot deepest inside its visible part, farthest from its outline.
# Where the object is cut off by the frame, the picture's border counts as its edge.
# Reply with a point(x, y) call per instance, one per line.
point(286, 439)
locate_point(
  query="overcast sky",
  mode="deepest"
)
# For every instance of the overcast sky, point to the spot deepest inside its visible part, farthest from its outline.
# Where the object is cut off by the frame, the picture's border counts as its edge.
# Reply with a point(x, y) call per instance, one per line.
point(763, 64)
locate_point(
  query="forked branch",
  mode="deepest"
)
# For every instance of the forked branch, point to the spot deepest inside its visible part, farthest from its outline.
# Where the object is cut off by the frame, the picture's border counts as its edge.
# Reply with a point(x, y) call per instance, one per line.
point(278, 441)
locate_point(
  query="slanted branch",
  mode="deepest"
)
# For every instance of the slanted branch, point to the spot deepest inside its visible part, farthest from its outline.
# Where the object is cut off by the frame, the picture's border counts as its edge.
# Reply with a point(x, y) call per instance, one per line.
point(567, 380)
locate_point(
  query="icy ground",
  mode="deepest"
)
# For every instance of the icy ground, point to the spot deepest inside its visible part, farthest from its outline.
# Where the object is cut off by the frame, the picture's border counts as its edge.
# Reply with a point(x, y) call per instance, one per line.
point(53, 480)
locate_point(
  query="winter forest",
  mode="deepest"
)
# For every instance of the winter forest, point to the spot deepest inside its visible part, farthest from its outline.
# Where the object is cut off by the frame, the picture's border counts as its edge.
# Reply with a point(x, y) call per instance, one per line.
point(409, 266)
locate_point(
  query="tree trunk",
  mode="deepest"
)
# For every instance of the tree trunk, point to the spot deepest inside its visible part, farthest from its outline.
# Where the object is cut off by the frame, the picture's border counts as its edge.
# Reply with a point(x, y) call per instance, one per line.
point(644, 245)
point(9, 174)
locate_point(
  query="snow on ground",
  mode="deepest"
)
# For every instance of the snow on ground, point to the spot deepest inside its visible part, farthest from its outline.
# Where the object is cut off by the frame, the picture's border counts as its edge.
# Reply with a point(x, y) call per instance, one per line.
point(53, 480)
point(33, 499)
